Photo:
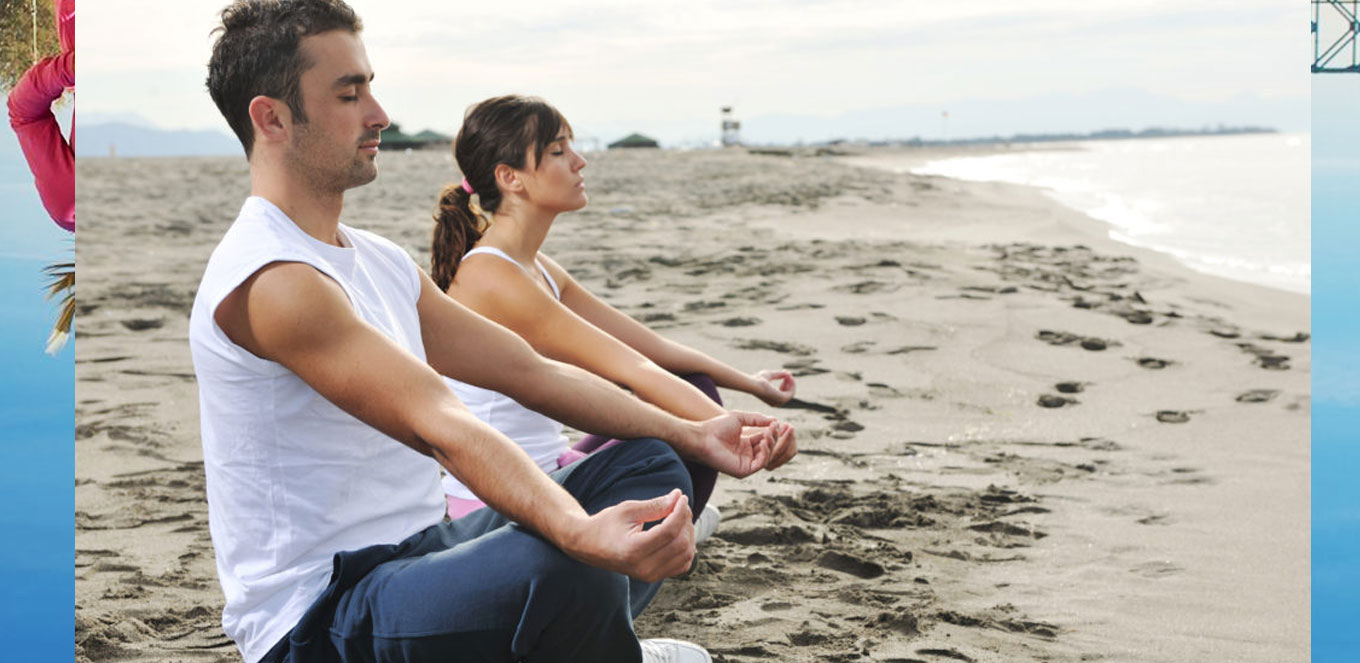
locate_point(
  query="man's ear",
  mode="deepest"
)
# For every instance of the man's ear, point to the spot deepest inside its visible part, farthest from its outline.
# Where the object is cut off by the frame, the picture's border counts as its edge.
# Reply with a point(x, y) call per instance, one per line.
point(272, 119)
point(507, 179)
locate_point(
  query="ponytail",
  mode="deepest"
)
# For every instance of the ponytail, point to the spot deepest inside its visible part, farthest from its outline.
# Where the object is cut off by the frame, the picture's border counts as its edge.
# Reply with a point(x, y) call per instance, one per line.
point(500, 130)
point(457, 226)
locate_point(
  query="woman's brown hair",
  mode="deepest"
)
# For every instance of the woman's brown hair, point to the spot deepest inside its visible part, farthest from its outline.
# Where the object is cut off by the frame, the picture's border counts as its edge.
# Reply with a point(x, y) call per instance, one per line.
point(497, 131)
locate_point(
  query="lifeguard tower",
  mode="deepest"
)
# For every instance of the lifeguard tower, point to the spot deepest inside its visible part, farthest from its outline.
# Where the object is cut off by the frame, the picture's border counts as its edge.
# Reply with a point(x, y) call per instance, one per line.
point(731, 128)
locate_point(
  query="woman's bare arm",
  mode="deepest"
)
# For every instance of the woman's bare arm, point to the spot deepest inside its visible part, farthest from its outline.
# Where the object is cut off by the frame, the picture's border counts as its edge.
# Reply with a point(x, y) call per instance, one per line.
point(774, 387)
point(503, 292)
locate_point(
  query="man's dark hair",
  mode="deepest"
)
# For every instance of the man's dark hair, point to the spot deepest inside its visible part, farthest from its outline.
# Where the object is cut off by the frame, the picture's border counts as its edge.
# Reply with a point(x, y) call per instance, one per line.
point(256, 53)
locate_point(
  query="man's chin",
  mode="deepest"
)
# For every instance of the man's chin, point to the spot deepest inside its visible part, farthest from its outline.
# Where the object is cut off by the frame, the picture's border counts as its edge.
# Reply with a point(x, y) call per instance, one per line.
point(364, 175)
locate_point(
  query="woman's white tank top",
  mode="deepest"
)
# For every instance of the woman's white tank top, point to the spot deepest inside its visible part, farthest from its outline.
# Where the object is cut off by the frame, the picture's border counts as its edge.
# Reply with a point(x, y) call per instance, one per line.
point(540, 436)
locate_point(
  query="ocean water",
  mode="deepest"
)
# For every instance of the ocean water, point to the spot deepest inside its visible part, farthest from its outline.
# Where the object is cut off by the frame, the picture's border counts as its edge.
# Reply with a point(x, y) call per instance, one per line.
point(1232, 206)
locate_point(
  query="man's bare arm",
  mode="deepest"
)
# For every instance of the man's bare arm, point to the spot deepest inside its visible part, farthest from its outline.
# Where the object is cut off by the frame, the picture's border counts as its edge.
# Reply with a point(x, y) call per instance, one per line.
point(292, 314)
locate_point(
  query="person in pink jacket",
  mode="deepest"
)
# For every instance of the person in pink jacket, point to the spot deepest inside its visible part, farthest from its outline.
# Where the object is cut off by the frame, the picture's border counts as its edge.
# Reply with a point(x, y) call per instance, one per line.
point(50, 155)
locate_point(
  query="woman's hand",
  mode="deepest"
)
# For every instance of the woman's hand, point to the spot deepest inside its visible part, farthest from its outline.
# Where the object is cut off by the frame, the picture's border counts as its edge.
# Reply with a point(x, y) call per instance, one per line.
point(783, 446)
point(773, 387)
point(781, 438)
point(736, 443)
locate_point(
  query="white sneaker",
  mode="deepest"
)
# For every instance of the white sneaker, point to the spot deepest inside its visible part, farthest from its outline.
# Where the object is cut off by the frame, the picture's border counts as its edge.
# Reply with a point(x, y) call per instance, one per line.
point(707, 523)
point(665, 650)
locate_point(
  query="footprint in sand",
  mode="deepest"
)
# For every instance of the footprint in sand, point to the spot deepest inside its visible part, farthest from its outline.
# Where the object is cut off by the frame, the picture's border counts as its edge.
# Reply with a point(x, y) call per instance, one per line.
point(881, 390)
point(1051, 401)
point(910, 348)
point(1265, 357)
point(143, 324)
point(1007, 529)
point(1053, 337)
point(740, 322)
point(849, 320)
point(997, 290)
point(945, 653)
point(703, 305)
point(1299, 337)
point(1099, 444)
point(867, 287)
point(800, 404)
point(855, 566)
point(776, 346)
point(1153, 362)
point(1257, 395)
point(1070, 387)
point(1173, 416)
point(766, 535)
point(1067, 338)
point(1136, 316)
point(805, 367)
point(857, 347)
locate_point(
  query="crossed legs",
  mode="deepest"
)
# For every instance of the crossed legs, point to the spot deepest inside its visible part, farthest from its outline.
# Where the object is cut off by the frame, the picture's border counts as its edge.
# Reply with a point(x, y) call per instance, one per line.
point(482, 589)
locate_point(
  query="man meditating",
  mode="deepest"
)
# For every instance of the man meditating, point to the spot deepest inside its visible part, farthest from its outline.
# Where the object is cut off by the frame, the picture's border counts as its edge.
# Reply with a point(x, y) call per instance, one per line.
point(318, 349)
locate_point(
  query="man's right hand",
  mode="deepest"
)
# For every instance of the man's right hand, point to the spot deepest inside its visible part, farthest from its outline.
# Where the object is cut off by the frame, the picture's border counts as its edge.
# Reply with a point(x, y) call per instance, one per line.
point(614, 539)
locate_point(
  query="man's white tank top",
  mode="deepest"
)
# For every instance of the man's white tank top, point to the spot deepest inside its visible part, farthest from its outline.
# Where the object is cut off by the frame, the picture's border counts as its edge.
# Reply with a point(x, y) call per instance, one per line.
point(291, 478)
point(540, 436)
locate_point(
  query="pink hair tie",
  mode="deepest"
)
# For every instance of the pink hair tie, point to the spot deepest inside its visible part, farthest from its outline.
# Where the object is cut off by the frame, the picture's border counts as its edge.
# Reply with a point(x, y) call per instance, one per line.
point(467, 187)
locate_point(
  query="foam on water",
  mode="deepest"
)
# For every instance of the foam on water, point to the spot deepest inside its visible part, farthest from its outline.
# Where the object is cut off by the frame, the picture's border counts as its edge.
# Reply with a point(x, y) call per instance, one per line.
point(1233, 206)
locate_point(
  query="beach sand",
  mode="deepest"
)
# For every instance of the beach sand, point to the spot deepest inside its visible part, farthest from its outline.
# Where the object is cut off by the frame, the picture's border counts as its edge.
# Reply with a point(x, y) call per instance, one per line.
point(1019, 440)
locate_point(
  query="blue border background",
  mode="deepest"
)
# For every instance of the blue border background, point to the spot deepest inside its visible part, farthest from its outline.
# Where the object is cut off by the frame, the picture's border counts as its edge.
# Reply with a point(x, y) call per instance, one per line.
point(1336, 367)
point(37, 423)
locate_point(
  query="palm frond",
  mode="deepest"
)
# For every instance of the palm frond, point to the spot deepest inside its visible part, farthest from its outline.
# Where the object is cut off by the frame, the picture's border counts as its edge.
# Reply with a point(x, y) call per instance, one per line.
point(62, 275)
point(61, 278)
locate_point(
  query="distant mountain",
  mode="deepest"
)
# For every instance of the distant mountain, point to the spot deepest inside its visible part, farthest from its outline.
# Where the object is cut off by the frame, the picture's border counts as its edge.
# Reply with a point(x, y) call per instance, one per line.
point(129, 140)
point(1047, 114)
point(124, 117)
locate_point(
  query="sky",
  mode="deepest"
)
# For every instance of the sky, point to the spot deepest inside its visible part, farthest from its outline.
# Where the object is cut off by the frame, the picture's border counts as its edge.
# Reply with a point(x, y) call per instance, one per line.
point(36, 427)
point(616, 66)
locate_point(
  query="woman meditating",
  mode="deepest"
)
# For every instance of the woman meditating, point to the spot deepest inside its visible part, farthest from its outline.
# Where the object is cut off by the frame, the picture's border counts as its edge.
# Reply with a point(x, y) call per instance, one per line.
point(520, 172)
